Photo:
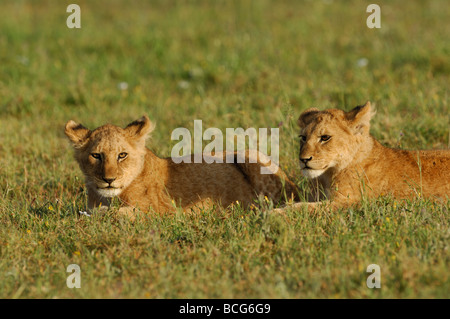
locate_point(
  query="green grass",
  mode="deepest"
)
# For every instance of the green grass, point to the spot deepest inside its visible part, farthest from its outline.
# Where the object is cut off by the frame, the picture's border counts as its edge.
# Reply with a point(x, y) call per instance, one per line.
point(230, 64)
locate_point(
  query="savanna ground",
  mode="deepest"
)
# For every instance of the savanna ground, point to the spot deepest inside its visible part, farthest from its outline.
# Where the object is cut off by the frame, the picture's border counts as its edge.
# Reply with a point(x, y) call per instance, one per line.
point(230, 64)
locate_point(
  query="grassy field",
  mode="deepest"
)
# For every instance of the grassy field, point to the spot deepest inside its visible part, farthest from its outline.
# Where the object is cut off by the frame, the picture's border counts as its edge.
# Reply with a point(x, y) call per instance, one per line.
point(230, 64)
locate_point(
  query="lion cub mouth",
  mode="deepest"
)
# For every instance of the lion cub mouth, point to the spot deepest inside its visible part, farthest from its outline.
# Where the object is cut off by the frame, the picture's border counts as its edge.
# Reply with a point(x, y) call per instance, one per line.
point(312, 173)
point(109, 191)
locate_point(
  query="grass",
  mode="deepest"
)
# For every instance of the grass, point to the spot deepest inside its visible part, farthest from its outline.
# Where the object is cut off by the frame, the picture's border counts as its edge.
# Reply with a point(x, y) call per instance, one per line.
point(230, 64)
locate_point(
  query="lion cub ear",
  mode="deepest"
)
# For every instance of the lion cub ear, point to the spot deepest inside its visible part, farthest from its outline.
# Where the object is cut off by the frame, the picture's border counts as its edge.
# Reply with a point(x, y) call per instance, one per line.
point(359, 118)
point(140, 128)
point(77, 133)
point(307, 116)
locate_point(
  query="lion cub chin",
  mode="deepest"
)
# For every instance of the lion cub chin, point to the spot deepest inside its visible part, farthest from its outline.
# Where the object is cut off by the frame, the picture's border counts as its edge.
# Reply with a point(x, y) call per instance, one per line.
point(116, 163)
point(344, 162)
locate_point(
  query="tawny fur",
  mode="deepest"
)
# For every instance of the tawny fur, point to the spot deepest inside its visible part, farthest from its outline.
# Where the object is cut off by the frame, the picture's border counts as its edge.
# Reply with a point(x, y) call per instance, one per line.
point(344, 162)
point(143, 180)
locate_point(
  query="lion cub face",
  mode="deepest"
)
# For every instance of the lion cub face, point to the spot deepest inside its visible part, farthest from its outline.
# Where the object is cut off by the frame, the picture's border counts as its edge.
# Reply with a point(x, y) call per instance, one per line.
point(110, 157)
point(330, 139)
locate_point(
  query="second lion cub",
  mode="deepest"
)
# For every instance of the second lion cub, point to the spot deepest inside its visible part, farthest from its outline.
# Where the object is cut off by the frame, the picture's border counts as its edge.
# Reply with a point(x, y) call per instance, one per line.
point(344, 162)
point(116, 163)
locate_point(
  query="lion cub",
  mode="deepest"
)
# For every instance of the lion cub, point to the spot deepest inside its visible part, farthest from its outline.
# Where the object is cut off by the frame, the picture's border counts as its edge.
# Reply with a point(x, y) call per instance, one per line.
point(344, 162)
point(116, 163)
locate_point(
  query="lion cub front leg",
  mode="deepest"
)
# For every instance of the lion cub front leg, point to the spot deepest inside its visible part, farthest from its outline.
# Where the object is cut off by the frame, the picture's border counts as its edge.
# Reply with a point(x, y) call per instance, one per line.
point(127, 211)
point(310, 206)
point(336, 203)
point(95, 205)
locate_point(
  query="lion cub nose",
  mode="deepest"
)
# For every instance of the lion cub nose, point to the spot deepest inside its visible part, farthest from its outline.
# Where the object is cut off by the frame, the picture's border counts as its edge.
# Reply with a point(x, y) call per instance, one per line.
point(109, 180)
point(305, 160)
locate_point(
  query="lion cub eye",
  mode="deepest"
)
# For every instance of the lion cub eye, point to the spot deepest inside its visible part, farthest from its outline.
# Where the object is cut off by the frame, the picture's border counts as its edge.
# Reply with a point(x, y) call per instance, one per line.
point(96, 155)
point(325, 138)
point(122, 155)
point(302, 138)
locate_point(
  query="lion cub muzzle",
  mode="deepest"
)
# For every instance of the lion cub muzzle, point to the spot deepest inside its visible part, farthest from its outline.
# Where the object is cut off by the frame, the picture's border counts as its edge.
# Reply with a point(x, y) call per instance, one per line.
point(109, 180)
point(305, 161)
